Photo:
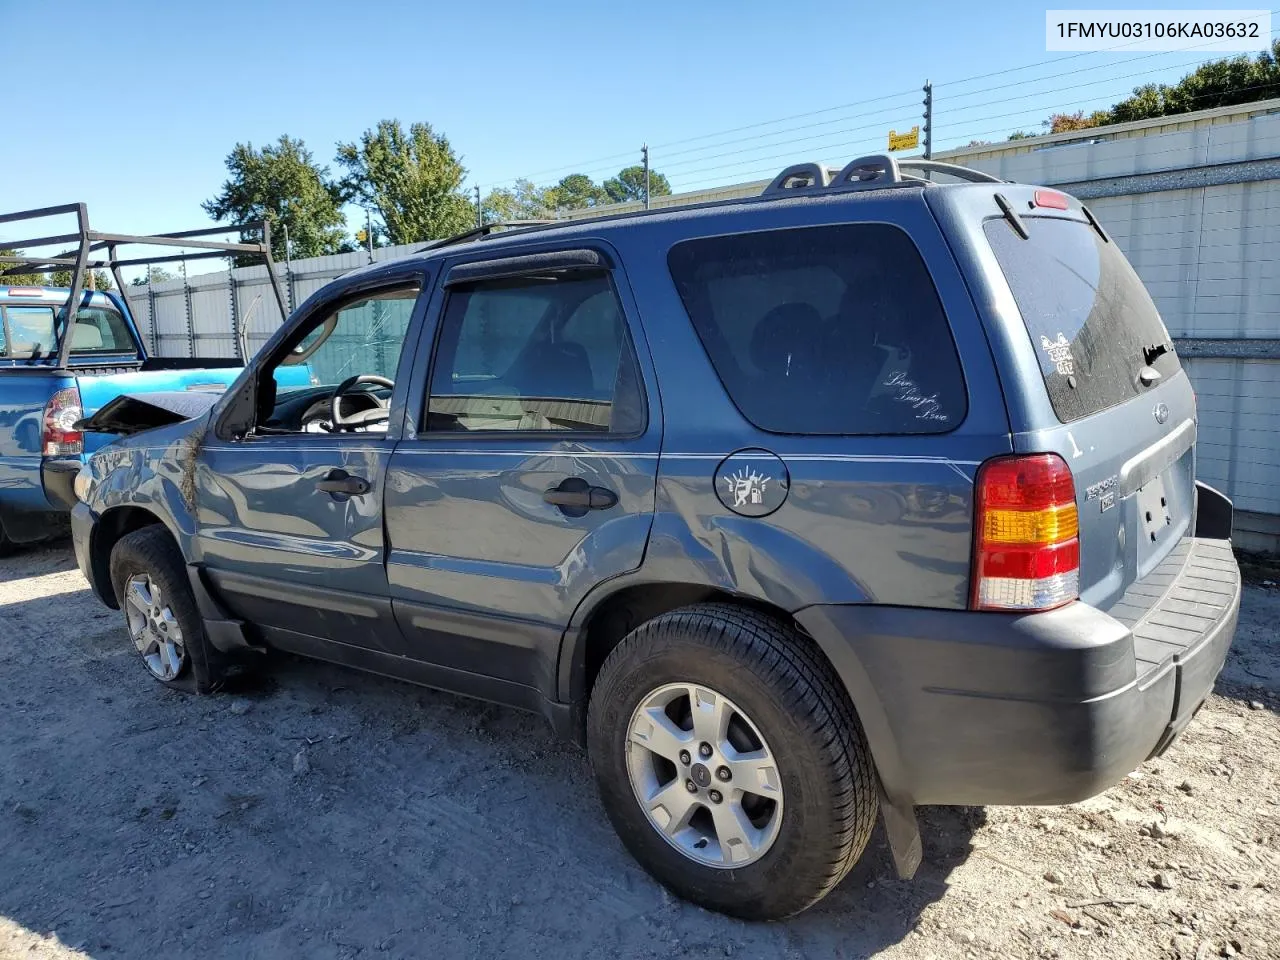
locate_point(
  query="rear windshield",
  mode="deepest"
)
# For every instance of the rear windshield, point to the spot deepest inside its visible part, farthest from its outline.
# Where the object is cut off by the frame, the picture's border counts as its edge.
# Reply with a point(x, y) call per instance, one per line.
point(824, 330)
point(1091, 320)
point(29, 331)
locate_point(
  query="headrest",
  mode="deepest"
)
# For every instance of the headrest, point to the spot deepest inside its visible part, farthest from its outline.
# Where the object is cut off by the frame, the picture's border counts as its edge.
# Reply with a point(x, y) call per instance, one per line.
point(85, 336)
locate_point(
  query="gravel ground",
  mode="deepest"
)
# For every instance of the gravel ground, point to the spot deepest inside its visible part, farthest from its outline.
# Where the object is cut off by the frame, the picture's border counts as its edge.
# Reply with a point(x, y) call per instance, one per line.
point(330, 814)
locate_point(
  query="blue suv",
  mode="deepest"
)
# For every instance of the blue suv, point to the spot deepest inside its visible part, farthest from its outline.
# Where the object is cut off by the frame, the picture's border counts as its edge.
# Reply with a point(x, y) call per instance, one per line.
point(873, 491)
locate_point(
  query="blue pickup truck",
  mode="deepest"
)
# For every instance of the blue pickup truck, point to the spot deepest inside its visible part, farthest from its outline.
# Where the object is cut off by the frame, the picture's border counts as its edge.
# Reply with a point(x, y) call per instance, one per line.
point(59, 366)
point(41, 403)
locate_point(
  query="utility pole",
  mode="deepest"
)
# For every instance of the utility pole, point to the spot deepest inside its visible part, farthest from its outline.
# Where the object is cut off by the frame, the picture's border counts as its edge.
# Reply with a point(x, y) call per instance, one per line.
point(479, 209)
point(368, 231)
point(644, 152)
point(928, 120)
point(288, 264)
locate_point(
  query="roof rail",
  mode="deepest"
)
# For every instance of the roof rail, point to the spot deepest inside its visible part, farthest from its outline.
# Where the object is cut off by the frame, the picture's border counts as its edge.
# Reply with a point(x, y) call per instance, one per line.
point(486, 230)
point(950, 169)
point(871, 172)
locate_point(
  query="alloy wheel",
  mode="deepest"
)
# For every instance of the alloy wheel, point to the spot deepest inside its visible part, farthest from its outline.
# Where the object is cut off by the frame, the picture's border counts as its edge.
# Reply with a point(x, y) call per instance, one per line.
point(704, 776)
point(153, 628)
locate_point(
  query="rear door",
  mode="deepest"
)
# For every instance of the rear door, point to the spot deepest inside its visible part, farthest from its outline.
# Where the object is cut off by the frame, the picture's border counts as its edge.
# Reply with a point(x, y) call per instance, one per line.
point(527, 475)
point(1120, 409)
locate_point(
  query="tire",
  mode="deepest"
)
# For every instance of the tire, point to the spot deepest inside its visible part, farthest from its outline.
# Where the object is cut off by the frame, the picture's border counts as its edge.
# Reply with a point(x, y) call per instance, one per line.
point(150, 557)
point(785, 696)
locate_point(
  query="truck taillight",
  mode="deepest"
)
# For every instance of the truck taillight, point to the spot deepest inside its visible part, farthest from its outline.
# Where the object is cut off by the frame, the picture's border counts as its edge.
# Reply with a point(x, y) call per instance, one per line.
point(1027, 543)
point(61, 439)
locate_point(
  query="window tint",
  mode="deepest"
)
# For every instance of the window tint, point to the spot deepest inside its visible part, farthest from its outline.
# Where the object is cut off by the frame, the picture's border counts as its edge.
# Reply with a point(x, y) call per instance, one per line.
point(1091, 320)
point(535, 354)
point(824, 330)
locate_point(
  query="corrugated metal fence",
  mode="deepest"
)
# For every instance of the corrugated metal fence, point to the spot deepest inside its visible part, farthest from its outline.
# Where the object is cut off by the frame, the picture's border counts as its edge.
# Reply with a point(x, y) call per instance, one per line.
point(1193, 201)
point(200, 317)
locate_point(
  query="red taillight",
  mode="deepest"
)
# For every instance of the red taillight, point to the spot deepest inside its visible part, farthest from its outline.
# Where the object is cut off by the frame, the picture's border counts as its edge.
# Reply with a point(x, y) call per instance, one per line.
point(1026, 534)
point(61, 439)
point(1051, 199)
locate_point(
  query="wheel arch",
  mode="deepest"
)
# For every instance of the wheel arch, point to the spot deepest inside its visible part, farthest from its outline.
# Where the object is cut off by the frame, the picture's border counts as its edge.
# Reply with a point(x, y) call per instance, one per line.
point(599, 627)
point(601, 622)
point(111, 527)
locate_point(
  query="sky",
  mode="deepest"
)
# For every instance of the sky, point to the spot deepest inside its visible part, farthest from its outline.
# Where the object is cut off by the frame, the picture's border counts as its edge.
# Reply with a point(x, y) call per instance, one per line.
point(160, 92)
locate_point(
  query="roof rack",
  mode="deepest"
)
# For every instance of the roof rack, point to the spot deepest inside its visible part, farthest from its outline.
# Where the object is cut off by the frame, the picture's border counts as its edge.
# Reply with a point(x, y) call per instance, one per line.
point(89, 241)
point(485, 231)
point(872, 172)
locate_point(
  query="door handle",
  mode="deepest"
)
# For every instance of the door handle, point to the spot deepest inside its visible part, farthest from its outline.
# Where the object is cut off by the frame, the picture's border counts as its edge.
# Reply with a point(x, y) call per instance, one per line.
point(575, 497)
point(341, 482)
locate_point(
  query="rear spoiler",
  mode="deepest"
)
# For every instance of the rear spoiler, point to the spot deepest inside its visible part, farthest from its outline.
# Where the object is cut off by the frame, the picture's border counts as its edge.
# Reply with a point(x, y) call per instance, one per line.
point(88, 242)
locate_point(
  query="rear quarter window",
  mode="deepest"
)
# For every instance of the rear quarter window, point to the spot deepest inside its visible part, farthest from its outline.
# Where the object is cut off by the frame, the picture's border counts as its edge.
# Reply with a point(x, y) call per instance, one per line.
point(1089, 317)
point(824, 330)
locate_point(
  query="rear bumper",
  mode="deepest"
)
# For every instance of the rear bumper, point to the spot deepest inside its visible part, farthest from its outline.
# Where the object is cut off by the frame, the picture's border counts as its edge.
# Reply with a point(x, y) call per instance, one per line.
point(984, 708)
point(58, 477)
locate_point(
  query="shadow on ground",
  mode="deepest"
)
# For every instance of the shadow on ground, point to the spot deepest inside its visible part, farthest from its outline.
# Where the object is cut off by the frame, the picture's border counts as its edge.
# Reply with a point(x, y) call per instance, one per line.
point(319, 812)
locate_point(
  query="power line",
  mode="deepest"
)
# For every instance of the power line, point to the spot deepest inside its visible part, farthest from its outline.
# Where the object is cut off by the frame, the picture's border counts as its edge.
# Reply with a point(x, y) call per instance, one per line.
point(764, 146)
point(591, 166)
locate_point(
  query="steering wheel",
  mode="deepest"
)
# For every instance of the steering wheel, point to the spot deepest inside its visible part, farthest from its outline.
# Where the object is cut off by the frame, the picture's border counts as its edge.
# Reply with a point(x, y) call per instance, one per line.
point(364, 417)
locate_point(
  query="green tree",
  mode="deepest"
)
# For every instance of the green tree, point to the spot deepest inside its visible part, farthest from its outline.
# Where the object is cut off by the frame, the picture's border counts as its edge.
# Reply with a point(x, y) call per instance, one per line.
point(1021, 135)
point(413, 180)
point(19, 279)
point(577, 191)
point(62, 278)
point(158, 275)
point(282, 184)
point(1219, 83)
point(629, 185)
point(1067, 122)
point(526, 201)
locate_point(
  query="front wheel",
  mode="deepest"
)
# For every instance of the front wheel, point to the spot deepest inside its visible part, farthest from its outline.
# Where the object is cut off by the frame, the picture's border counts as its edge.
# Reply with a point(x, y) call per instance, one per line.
point(730, 761)
point(150, 582)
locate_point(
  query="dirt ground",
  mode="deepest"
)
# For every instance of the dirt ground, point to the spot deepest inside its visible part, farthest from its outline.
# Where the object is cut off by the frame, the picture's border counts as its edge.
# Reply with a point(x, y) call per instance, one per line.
point(331, 814)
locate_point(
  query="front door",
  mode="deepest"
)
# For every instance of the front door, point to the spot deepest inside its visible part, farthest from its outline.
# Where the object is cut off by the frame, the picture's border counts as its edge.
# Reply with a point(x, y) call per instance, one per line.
point(528, 475)
point(290, 517)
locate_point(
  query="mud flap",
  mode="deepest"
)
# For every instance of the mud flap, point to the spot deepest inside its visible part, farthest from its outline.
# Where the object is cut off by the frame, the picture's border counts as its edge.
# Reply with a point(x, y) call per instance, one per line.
point(903, 832)
point(225, 634)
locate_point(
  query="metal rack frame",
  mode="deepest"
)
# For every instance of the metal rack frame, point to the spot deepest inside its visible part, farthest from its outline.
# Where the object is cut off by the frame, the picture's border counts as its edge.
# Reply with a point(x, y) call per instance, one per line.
point(87, 242)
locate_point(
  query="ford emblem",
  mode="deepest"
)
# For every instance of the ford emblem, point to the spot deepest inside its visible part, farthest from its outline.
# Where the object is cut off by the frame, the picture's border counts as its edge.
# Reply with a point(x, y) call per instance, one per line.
point(1162, 412)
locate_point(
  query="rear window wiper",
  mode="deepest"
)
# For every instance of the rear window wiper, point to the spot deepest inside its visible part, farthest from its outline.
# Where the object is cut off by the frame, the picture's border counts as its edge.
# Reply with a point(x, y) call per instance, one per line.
point(1154, 352)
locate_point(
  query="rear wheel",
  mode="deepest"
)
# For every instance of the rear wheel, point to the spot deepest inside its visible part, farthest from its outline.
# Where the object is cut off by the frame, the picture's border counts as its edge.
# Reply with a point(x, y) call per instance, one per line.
point(730, 762)
point(150, 583)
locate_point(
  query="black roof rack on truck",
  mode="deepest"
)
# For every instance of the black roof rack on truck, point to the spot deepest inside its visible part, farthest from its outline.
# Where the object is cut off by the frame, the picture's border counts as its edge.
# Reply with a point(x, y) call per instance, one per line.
point(88, 242)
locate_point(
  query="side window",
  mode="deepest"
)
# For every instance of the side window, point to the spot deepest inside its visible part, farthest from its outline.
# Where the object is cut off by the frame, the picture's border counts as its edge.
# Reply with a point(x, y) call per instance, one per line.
point(362, 337)
point(538, 354)
point(30, 331)
point(824, 330)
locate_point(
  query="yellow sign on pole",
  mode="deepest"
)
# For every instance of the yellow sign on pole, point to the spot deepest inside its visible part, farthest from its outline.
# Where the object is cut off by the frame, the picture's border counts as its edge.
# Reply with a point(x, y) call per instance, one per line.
point(905, 141)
